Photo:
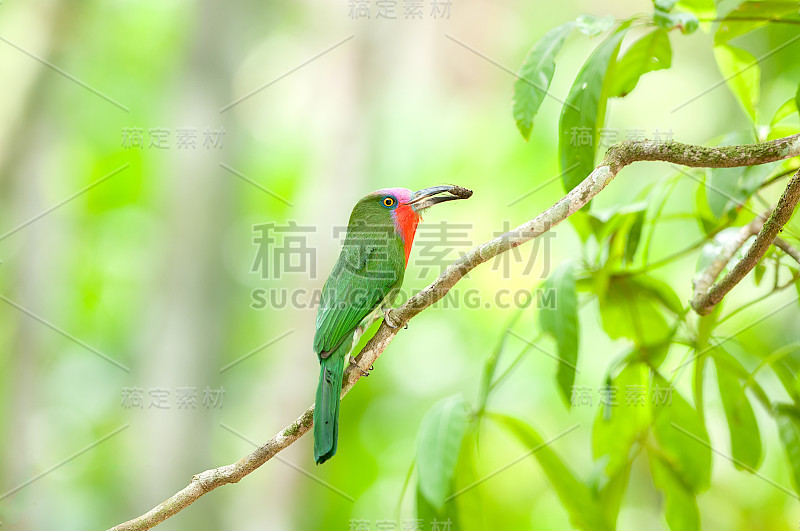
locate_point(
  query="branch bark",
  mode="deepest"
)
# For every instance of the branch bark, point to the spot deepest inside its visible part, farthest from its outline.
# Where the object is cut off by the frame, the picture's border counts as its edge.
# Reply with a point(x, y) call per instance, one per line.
point(616, 158)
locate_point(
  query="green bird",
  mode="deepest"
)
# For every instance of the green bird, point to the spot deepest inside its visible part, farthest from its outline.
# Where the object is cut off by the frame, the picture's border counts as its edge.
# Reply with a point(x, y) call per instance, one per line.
point(362, 287)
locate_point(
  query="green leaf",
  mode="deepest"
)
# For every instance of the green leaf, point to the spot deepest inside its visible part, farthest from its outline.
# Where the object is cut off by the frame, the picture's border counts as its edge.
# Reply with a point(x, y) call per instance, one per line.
point(561, 323)
point(721, 187)
point(745, 437)
point(584, 111)
point(438, 444)
point(631, 307)
point(535, 76)
point(701, 8)
point(788, 108)
point(797, 98)
point(664, 5)
point(651, 52)
point(705, 218)
point(742, 74)
point(490, 366)
point(681, 505)
point(592, 25)
point(634, 236)
point(758, 273)
point(785, 363)
point(616, 428)
point(748, 16)
point(681, 434)
point(686, 22)
point(584, 510)
point(789, 429)
point(662, 292)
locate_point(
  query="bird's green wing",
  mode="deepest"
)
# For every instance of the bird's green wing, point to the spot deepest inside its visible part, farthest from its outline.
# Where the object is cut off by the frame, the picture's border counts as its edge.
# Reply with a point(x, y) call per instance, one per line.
point(360, 280)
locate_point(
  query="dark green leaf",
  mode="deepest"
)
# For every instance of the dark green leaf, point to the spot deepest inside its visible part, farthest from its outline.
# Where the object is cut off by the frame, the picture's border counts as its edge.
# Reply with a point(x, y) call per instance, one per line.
point(681, 434)
point(681, 505)
point(584, 510)
point(535, 76)
point(686, 22)
point(584, 111)
point(634, 236)
point(651, 52)
point(789, 428)
point(438, 444)
point(742, 74)
point(592, 25)
point(745, 438)
point(561, 322)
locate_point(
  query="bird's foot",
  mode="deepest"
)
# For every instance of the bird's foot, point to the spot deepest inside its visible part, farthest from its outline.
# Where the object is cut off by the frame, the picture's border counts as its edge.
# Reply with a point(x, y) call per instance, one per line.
point(389, 321)
point(363, 372)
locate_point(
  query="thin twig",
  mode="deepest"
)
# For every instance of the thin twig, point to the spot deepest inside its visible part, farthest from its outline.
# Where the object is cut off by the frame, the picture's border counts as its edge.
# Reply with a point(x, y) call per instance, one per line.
point(787, 248)
point(706, 295)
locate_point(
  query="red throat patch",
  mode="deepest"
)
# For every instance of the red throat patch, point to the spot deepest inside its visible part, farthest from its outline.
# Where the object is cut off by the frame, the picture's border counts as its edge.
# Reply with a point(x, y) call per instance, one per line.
point(405, 224)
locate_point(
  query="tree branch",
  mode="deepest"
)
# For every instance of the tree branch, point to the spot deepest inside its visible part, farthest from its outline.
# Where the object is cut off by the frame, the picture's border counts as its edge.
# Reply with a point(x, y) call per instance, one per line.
point(616, 158)
point(787, 248)
point(707, 296)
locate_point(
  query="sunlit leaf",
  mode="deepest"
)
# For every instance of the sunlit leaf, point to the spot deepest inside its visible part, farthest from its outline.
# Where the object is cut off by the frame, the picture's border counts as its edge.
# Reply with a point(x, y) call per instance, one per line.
point(651, 52)
point(700, 8)
point(665, 5)
point(788, 108)
point(742, 74)
point(438, 444)
point(748, 16)
point(561, 322)
point(584, 111)
point(745, 437)
point(535, 75)
point(592, 25)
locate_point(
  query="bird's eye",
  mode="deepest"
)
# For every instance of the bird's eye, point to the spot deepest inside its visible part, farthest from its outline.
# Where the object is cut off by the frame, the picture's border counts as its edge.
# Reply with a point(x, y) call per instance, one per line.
point(389, 201)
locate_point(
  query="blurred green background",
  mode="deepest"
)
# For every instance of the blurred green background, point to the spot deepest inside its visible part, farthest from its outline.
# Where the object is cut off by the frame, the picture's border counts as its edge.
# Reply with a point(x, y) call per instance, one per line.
point(152, 267)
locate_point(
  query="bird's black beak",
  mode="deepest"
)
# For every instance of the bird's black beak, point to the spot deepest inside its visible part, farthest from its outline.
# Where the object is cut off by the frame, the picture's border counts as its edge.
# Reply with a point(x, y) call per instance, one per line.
point(427, 197)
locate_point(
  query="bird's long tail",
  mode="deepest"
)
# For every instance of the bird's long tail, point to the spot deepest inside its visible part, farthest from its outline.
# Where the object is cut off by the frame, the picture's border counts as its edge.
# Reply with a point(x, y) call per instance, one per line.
point(326, 410)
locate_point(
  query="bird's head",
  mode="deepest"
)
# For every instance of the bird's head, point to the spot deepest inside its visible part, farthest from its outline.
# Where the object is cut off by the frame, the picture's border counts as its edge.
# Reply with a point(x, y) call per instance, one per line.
point(401, 209)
